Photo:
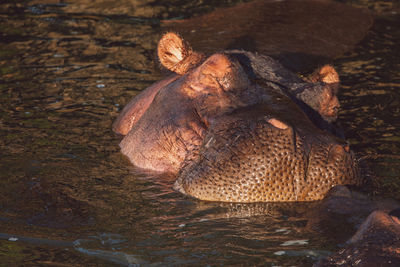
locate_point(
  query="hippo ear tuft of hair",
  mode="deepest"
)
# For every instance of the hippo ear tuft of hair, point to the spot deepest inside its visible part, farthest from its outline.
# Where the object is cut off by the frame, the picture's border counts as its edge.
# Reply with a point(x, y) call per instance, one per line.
point(176, 55)
point(172, 49)
point(329, 74)
point(326, 74)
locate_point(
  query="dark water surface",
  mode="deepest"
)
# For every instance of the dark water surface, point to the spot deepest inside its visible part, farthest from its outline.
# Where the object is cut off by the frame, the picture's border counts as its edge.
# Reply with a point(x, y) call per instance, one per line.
point(67, 196)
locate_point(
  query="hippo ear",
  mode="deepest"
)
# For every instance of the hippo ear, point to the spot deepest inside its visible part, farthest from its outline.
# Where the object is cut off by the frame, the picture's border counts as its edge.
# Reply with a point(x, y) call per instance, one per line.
point(176, 54)
point(326, 74)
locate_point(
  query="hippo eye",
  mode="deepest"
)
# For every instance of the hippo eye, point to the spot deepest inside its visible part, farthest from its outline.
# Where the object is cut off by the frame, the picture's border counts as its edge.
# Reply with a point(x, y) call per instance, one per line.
point(277, 123)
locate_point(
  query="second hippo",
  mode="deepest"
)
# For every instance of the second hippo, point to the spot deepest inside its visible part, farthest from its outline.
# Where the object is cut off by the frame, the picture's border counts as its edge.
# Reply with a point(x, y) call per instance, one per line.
point(238, 127)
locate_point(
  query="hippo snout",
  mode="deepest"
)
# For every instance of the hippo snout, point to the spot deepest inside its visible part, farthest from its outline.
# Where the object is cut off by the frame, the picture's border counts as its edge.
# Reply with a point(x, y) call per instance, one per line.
point(267, 161)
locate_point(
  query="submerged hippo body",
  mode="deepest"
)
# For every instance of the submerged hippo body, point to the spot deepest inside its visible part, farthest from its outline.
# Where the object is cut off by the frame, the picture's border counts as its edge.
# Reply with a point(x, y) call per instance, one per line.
point(238, 127)
point(376, 243)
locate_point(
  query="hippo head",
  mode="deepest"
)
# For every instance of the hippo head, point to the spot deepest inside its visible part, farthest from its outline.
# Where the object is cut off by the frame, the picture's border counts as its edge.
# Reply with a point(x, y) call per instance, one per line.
point(237, 126)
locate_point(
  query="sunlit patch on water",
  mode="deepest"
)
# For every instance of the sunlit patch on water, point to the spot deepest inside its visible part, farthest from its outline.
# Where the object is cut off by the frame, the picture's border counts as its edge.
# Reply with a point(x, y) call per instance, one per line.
point(314, 254)
point(295, 242)
point(107, 246)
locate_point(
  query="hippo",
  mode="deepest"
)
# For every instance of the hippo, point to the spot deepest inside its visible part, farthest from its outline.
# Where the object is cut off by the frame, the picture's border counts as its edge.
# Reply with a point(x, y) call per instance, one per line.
point(376, 243)
point(237, 126)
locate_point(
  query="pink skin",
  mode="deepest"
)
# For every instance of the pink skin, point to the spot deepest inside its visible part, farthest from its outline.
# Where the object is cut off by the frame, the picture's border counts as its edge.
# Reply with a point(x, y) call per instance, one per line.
point(171, 117)
point(169, 128)
point(134, 110)
point(166, 124)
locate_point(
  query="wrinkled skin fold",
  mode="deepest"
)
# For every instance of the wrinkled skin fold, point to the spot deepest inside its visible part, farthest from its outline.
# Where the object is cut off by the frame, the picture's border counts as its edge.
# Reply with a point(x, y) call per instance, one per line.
point(238, 127)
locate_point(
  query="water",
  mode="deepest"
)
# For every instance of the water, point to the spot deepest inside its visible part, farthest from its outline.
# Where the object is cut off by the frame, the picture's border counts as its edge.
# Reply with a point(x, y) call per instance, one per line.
point(68, 196)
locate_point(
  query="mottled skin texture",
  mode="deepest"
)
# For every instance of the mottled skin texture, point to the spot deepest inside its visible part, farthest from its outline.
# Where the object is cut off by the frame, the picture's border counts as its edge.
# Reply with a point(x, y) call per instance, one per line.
point(238, 127)
point(239, 163)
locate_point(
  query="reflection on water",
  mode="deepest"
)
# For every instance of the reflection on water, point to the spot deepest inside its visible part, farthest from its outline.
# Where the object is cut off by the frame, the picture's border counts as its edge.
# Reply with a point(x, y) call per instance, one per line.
point(371, 101)
point(66, 71)
point(300, 34)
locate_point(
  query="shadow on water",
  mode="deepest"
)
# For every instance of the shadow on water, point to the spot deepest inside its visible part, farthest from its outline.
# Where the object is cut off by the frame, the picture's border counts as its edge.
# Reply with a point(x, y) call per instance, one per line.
point(70, 197)
point(301, 34)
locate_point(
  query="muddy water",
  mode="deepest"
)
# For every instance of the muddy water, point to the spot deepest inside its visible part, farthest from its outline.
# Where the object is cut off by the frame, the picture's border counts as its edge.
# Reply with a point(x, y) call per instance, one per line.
point(67, 196)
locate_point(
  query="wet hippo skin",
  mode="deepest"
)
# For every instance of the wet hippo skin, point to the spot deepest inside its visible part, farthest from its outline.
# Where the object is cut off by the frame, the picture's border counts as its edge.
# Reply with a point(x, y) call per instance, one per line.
point(238, 127)
point(376, 243)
